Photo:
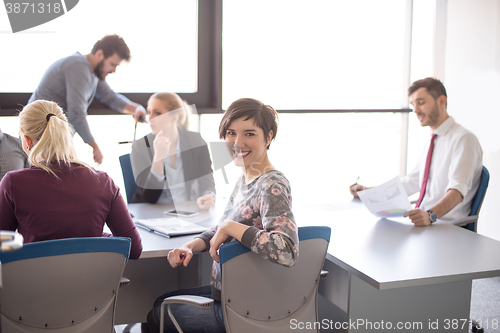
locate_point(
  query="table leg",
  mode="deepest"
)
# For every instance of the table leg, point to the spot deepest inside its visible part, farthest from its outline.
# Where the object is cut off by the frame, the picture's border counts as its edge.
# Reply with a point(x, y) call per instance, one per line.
point(349, 304)
point(442, 307)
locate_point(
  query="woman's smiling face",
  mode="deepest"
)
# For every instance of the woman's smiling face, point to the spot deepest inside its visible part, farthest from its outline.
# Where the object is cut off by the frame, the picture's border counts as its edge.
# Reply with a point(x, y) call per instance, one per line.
point(248, 145)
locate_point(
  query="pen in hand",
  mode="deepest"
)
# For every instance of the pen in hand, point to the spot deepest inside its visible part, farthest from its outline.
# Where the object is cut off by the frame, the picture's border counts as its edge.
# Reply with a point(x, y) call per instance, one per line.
point(353, 191)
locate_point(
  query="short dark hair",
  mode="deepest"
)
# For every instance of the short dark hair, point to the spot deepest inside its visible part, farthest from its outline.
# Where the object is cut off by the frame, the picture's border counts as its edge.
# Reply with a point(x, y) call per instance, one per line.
point(111, 44)
point(433, 86)
point(265, 116)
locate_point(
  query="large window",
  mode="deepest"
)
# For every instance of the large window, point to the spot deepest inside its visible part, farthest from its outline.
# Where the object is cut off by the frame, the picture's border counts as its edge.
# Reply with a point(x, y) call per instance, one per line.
point(319, 54)
point(162, 37)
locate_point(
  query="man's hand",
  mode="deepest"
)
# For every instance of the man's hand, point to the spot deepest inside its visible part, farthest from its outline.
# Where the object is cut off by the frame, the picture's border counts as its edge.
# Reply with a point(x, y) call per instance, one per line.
point(140, 114)
point(136, 110)
point(206, 201)
point(97, 152)
point(418, 217)
point(355, 188)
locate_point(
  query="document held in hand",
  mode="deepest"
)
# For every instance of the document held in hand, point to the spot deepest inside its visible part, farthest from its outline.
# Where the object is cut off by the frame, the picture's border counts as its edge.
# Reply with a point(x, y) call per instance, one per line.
point(386, 200)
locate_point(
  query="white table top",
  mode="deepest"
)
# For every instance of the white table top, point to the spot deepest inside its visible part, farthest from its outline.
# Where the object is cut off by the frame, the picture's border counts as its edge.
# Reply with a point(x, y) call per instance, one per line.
point(155, 245)
point(384, 253)
point(394, 253)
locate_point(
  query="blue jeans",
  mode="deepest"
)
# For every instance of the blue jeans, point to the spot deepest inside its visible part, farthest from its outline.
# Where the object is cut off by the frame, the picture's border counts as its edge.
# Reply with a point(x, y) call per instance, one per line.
point(189, 317)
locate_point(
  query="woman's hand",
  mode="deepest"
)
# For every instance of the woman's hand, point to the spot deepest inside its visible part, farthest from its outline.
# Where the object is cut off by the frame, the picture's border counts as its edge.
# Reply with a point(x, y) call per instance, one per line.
point(206, 201)
point(180, 256)
point(183, 254)
point(224, 231)
point(162, 146)
point(219, 238)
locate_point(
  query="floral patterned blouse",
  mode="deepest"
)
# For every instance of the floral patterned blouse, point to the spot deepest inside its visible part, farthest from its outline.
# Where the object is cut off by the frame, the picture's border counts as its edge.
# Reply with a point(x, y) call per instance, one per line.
point(264, 205)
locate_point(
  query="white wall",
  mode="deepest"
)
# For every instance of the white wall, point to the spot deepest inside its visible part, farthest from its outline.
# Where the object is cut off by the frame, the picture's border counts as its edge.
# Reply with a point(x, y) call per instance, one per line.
point(472, 80)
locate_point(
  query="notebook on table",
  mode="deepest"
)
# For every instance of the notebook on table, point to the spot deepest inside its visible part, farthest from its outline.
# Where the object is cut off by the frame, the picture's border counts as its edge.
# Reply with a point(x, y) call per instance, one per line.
point(170, 227)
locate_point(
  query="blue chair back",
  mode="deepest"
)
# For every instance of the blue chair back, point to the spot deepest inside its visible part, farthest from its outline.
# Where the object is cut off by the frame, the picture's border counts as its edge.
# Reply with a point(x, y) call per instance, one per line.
point(477, 201)
point(64, 246)
point(231, 250)
point(64, 285)
point(128, 176)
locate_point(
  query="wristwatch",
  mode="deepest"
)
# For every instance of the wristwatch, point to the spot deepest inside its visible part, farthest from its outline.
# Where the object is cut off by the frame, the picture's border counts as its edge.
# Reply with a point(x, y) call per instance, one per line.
point(432, 215)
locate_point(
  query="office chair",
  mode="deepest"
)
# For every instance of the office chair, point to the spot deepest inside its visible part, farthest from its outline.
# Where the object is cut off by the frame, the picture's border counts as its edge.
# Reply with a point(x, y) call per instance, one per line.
point(9, 241)
point(128, 176)
point(254, 299)
point(63, 285)
point(470, 222)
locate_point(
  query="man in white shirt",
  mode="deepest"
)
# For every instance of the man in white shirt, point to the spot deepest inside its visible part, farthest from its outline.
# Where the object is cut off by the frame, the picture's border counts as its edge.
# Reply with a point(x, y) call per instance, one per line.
point(455, 162)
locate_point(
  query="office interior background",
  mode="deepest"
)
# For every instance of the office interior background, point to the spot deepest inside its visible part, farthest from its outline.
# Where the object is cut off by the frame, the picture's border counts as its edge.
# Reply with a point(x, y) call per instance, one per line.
point(336, 71)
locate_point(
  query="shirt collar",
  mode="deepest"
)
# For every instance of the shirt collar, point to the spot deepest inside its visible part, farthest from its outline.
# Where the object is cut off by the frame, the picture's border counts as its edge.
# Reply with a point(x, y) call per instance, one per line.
point(445, 126)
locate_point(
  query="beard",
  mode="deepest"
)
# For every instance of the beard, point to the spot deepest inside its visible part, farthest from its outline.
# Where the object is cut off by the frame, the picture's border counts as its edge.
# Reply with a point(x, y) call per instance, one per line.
point(98, 71)
point(433, 116)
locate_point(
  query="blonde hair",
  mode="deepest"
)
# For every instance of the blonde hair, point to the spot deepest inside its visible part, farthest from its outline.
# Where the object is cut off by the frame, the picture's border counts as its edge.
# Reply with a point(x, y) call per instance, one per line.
point(51, 135)
point(173, 103)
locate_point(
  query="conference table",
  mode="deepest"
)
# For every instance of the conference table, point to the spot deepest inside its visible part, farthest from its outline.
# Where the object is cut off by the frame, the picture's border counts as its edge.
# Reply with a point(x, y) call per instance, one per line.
point(387, 274)
point(384, 274)
point(151, 275)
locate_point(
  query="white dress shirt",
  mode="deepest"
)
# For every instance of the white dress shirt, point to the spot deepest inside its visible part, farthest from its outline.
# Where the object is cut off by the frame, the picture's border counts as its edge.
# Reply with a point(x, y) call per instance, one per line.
point(456, 163)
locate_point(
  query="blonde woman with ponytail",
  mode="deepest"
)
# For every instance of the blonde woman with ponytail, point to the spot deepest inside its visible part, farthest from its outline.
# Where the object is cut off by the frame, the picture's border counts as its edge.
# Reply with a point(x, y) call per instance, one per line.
point(59, 196)
point(172, 164)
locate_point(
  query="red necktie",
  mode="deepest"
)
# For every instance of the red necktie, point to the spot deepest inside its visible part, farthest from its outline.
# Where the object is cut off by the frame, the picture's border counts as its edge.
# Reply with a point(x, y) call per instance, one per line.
point(426, 172)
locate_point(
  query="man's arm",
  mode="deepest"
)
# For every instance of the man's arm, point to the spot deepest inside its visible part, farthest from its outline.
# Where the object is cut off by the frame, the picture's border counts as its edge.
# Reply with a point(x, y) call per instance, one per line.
point(97, 152)
point(136, 110)
point(78, 91)
point(421, 218)
point(118, 102)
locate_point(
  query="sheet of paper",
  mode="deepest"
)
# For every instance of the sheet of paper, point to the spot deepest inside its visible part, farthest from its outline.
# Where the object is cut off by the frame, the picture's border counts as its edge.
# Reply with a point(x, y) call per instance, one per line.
point(386, 200)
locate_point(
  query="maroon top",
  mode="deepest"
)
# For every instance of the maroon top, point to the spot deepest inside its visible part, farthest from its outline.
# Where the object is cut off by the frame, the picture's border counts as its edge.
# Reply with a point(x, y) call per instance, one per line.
point(42, 207)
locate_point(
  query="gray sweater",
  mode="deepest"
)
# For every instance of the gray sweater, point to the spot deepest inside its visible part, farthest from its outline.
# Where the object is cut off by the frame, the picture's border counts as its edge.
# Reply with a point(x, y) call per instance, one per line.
point(71, 83)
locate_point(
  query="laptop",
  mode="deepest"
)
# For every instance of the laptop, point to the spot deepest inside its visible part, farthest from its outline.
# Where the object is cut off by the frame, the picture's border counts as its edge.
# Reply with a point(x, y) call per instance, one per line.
point(169, 227)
